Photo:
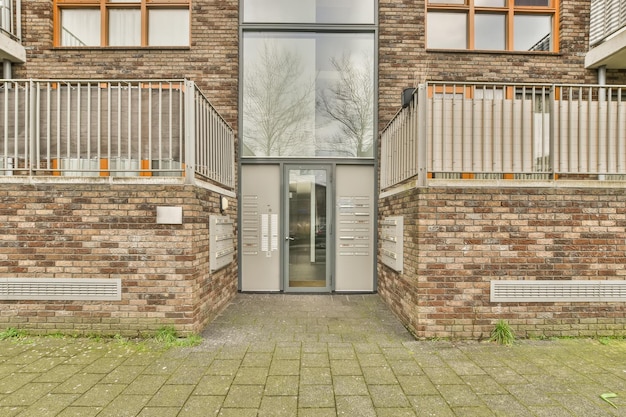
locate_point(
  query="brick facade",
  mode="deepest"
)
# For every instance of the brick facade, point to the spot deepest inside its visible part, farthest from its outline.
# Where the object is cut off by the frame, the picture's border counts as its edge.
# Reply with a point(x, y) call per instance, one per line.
point(100, 230)
point(457, 240)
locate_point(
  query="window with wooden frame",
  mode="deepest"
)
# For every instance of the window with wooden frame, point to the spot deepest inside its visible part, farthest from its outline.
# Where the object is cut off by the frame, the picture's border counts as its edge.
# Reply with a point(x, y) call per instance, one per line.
point(493, 25)
point(121, 23)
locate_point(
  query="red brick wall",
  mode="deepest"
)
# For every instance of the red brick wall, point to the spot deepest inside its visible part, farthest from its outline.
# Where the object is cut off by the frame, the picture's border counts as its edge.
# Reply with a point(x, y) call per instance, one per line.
point(100, 230)
point(457, 240)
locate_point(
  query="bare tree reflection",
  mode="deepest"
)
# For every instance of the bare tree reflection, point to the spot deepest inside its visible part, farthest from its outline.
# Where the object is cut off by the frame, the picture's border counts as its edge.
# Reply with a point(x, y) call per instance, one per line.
point(278, 104)
point(348, 103)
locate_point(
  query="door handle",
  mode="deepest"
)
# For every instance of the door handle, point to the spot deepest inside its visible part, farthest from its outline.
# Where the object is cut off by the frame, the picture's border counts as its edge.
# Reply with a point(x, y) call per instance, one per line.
point(289, 238)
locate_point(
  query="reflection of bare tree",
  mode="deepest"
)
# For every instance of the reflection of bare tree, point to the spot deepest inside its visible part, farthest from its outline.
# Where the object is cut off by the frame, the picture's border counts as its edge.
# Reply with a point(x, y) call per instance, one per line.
point(348, 103)
point(277, 104)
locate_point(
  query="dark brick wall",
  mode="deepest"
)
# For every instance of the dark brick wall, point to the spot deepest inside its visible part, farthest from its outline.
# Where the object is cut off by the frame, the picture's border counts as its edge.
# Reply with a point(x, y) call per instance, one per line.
point(102, 230)
point(457, 240)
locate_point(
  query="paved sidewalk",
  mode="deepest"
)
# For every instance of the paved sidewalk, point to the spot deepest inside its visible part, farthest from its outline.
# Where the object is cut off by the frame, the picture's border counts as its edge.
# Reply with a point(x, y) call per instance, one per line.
point(311, 355)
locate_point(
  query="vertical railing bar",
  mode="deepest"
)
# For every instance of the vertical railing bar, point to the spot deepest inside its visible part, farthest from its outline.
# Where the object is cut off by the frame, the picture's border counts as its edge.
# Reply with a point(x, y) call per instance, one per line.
point(140, 104)
point(58, 123)
point(620, 133)
point(29, 136)
point(68, 121)
point(589, 138)
point(88, 122)
point(580, 126)
point(37, 121)
point(181, 126)
point(5, 133)
point(130, 111)
point(99, 124)
point(78, 122)
point(109, 120)
point(16, 123)
point(502, 152)
point(610, 159)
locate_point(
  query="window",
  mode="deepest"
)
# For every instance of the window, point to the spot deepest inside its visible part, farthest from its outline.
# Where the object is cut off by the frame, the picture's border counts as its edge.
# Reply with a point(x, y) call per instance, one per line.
point(309, 11)
point(502, 25)
point(308, 78)
point(119, 23)
point(308, 94)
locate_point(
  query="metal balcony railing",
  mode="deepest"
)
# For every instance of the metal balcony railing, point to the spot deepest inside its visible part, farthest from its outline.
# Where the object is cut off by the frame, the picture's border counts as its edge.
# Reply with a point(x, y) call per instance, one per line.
point(507, 131)
point(607, 18)
point(113, 128)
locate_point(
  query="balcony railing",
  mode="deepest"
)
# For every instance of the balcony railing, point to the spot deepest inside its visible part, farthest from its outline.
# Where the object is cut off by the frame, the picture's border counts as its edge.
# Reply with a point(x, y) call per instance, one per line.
point(507, 131)
point(113, 128)
point(607, 17)
point(10, 11)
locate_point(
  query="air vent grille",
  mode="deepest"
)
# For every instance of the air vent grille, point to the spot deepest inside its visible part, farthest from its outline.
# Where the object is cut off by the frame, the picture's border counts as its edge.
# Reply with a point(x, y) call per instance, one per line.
point(556, 291)
point(66, 289)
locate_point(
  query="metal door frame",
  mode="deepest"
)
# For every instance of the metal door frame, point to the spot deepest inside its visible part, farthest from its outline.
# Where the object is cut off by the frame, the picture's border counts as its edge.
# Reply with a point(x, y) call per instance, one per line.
point(330, 216)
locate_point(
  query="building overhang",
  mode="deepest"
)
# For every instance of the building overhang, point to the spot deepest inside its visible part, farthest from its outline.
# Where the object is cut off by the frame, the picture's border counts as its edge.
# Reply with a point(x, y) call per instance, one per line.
point(11, 50)
point(610, 54)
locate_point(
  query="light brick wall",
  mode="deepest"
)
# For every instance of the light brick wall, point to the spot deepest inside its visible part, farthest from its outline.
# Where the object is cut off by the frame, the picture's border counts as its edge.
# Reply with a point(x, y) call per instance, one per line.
point(109, 231)
point(457, 240)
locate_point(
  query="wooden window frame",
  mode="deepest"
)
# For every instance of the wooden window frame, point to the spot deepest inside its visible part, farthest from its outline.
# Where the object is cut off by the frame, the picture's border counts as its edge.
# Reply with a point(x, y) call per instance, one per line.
point(510, 10)
point(104, 5)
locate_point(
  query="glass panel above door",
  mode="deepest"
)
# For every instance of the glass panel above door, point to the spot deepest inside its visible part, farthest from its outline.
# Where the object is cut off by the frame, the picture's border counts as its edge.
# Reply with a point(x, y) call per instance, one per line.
point(308, 94)
point(309, 11)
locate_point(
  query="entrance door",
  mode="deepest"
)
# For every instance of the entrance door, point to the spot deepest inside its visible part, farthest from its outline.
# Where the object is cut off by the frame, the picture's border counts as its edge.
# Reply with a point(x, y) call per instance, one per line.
point(308, 217)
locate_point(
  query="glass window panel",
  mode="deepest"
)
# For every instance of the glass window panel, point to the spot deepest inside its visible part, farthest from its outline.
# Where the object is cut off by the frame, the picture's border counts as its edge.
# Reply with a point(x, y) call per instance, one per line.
point(80, 27)
point(490, 31)
point(124, 27)
point(489, 3)
point(446, 1)
point(168, 27)
point(447, 30)
point(308, 11)
point(307, 94)
point(541, 3)
point(532, 33)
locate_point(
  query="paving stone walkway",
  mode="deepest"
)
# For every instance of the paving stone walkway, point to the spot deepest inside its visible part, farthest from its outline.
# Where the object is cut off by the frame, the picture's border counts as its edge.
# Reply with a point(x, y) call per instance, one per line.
point(311, 355)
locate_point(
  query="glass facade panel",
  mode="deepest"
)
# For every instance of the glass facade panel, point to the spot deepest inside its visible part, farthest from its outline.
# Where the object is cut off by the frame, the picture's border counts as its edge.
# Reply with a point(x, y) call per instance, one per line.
point(168, 27)
point(532, 32)
point(80, 27)
point(535, 3)
point(490, 3)
point(124, 27)
point(309, 11)
point(308, 94)
point(490, 32)
point(447, 30)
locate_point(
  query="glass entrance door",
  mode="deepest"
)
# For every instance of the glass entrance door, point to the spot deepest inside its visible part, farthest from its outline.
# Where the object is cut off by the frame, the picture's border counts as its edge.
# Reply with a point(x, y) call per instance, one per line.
point(307, 238)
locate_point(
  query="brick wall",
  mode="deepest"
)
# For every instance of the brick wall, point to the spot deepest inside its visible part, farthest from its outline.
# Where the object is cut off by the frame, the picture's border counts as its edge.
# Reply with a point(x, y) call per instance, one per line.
point(101, 230)
point(457, 240)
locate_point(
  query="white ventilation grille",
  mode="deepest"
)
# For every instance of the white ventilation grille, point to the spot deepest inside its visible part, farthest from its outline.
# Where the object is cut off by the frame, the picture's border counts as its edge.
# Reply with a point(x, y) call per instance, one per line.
point(65, 289)
point(557, 291)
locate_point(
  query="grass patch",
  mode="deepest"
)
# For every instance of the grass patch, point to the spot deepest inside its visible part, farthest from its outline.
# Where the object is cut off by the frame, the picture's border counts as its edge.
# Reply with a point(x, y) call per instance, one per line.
point(502, 333)
point(12, 333)
point(167, 336)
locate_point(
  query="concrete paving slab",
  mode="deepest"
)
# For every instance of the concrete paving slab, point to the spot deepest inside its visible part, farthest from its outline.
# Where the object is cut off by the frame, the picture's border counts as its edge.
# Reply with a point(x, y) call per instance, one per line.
point(310, 356)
